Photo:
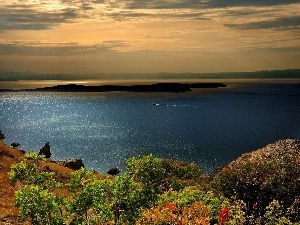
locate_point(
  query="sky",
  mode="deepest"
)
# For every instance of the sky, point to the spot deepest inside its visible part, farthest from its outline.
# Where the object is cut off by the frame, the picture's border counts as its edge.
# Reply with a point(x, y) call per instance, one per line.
point(140, 36)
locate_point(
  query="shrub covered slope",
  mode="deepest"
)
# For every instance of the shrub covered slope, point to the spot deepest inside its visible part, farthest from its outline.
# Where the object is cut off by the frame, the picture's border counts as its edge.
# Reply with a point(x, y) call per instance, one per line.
point(261, 187)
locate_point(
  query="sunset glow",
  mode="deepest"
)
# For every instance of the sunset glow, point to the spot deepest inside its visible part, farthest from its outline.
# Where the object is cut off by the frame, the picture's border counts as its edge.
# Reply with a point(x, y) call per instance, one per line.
point(105, 36)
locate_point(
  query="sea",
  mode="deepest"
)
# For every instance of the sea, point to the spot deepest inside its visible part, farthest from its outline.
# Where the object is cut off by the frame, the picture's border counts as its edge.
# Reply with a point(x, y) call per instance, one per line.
point(209, 127)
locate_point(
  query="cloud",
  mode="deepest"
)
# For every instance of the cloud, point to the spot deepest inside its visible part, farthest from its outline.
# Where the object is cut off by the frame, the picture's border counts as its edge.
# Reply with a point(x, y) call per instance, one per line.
point(158, 15)
point(169, 4)
point(60, 49)
point(233, 3)
point(49, 14)
point(200, 4)
point(284, 23)
point(22, 17)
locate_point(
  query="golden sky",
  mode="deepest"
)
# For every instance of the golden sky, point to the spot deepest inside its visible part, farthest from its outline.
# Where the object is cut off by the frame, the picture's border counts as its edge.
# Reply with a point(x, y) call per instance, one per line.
point(138, 36)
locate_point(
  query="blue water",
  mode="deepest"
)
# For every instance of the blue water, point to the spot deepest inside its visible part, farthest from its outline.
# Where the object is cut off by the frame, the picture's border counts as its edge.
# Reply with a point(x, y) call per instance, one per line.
point(208, 127)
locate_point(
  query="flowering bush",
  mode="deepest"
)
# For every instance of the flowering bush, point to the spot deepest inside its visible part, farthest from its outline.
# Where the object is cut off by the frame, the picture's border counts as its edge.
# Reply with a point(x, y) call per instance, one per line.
point(170, 213)
point(224, 215)
point(259, 182)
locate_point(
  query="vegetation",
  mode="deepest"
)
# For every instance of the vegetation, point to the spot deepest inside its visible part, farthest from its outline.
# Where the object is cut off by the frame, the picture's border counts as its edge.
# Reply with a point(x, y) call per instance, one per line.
point(161, 192)
point(270, 187)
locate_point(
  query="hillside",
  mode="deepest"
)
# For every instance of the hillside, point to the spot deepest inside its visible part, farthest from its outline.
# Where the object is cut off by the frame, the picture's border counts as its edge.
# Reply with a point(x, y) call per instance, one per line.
point(8, 157)
point(259, 187)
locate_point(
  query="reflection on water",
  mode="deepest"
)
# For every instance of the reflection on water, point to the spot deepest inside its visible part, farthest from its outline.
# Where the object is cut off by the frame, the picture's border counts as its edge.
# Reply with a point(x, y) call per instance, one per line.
point(208, 127)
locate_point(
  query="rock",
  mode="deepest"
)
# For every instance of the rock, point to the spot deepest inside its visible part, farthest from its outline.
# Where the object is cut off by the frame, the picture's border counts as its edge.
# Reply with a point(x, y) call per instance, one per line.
point(45, 150)
point(2, 136)
point(73, 163)
point(15, 144)
point(114, 171)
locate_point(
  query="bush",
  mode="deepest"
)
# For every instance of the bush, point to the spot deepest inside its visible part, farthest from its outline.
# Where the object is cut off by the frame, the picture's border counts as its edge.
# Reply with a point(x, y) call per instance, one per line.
point(190, 195)
point(181, 174)
point(137, 197)
point(92, 200)
point(39, 205)
point(31, 172)
point(259, 182)
point(170, 213)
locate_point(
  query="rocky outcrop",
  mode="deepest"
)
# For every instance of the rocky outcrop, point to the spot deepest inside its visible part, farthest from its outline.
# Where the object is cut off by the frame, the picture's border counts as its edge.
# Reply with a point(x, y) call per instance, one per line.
point(114, 171)
point(2, 136)
point(73, 163)
point(15, 144)
point(45, 150)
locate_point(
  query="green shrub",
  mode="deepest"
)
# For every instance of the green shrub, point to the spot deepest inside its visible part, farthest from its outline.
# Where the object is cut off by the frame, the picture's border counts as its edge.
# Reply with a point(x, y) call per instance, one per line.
point(91, 201)
point(275, 215)
point(39, 205)
point(30, 172)
point(35, 200)
point(181, 174)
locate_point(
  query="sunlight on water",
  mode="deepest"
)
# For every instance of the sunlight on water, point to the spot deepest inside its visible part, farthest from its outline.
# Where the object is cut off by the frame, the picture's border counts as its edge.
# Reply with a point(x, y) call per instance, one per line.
point(104, 129)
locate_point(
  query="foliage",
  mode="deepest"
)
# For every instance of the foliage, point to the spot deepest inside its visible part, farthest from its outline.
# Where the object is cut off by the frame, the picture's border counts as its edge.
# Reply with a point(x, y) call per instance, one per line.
point(237, 210)
point(148, 193)
point(189, 195)
point(181, 174)
point(170, 213)
point(147, 170)
point(91, 199)
point(275, 215)
point(128, 197)
point(30, 172)
point(197, 212)
point(259, 182)
point(40, 205)
point(35, 200)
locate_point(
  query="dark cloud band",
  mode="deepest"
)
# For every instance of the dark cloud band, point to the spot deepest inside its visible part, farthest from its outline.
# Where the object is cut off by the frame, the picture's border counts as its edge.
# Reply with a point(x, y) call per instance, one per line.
point(23, 18)
point(60, 49)
point(285, 23)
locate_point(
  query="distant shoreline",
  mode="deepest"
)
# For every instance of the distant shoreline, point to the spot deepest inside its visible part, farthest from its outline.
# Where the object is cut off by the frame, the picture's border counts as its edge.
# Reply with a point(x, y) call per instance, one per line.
point(262, 74)
point(157, 87)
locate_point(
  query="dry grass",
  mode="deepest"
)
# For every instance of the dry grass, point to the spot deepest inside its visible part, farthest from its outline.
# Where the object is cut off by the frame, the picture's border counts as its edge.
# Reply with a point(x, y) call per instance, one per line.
point(8, 157)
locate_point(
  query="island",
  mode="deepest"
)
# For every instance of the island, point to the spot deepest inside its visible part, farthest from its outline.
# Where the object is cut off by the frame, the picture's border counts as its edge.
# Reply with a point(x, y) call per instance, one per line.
point(157, 87)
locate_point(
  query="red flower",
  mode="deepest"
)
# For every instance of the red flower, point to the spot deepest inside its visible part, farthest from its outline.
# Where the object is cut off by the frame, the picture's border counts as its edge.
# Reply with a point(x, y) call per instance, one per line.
point(224, 215)
point(171, 207)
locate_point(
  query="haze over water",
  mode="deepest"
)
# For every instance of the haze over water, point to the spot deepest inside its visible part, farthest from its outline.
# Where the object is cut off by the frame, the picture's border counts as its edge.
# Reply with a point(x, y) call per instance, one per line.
point(208, 127)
